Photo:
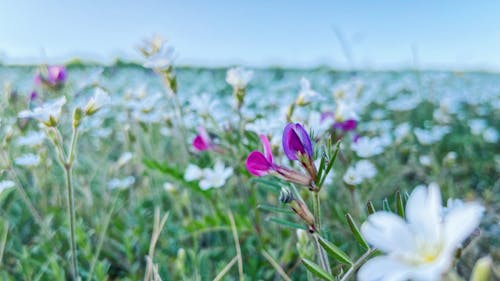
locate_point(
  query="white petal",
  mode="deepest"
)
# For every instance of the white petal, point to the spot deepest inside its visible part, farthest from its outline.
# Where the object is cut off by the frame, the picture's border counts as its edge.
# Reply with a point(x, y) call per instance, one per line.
point(205, 184)
point(383, 268)
point(423, 212)
point(192, 173)
point(388, 232)
point(460, 222)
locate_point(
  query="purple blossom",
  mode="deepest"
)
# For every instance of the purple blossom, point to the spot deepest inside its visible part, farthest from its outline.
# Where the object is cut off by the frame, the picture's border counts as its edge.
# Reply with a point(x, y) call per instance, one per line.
point(296, 142)
point(261, 164)
point(347, 125)
point(258, 163)
point(54, 76)
point(202, 140)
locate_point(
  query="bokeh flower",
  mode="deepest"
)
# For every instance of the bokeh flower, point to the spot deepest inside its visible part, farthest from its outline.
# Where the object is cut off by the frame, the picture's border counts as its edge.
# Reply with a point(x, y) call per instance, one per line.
point(47, 113)
point(238, 77)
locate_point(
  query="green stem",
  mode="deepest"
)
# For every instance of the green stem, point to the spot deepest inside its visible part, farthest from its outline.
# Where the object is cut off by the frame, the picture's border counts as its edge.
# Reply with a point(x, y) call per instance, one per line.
point(316, 210)
point(357, 264)
point(317, 221)
point(71, 203)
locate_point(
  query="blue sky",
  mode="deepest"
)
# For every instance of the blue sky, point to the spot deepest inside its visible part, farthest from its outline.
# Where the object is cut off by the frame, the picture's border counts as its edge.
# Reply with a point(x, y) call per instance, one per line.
point(378, 34)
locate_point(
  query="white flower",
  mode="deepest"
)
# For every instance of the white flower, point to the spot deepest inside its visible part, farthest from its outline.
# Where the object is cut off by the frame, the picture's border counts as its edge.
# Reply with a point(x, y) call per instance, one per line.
point(168, 186)
point(99, 99)
point(366, 169)
point(360, 171)
point(6, 184)
point(124, 183)
point(477, 126)
point(401, 131)
point(425, 160)
point(238, 77)
point(203, 104)
point(31, 139)
point(193, 173)
point(124, 159)
point(162, 59)
point(431, 136)
point(27, 160)
point(215, 177)
point(47, 113)
point(307, 94)
point(367, 147)
point(352, 177)
point(422, 247)
point(491, 135)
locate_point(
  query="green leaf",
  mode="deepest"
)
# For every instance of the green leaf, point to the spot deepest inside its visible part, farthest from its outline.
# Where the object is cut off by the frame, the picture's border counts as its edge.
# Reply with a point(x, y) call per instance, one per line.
point(330, 164)
point(317, 270)
point(334, 251)
point(385, 205)
point(399, 204)
point(356, 232)
point(270, 208)
point(370, 207)
point(287, 223)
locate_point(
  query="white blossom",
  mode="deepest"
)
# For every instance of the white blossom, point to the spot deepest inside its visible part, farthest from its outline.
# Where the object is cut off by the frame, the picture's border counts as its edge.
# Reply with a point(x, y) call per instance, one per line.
point(31, 139)
point(28, 160)
point(48, 113)
point(215, 177)
point(423, 246)
point(123, 183)
point(100, 99)
point(238, 77)
point(6, 184)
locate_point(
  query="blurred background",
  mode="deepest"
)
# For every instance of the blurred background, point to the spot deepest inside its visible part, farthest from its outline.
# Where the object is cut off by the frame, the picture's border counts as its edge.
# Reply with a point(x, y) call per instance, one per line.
point(442, 35)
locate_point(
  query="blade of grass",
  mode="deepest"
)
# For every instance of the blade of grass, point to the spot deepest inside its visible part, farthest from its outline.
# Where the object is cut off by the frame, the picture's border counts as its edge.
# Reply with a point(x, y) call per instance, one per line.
point(226, 269)
point(237, 245)
point(276, 266)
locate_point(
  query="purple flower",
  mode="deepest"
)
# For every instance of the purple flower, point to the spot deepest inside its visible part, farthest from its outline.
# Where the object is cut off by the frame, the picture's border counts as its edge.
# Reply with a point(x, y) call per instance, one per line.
point(261, 164)
point(347, 125)
point(56, 75)
point(296, 142)
point(33, 95)
point(258, 163)
point(202, 141)
point(53, 76)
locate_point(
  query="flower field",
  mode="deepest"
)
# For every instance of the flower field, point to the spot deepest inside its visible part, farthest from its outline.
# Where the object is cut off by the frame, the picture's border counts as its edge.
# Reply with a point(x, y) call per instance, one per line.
point(157, 172)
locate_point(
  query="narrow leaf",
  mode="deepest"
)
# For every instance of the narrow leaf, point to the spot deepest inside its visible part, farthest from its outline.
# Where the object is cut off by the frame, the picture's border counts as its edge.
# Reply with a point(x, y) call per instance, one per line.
point(385, 205)
point(270, 208)
point(317, 270)
point(370, 207)
point(399, 204)
point(287, 223)
point(356, 232)
point(330, 163)
point(334, 251)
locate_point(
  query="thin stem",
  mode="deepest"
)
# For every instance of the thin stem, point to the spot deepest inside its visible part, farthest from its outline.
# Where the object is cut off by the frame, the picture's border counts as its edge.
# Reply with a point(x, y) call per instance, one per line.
point(317, 211)
point(71, 204)
point(317, 221)
point(237, 245)
point(4, 240)
point(357, 264)
point(101, 241)
point(71, 210)
point(323, 258)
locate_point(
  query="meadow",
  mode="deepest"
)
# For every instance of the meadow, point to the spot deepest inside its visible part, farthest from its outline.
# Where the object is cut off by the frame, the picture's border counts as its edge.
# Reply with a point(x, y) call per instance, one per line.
point(186, 173)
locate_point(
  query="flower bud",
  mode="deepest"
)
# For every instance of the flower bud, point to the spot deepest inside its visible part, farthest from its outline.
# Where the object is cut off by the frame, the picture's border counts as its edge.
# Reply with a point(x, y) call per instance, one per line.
point(482, 269)
point(77, 117)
